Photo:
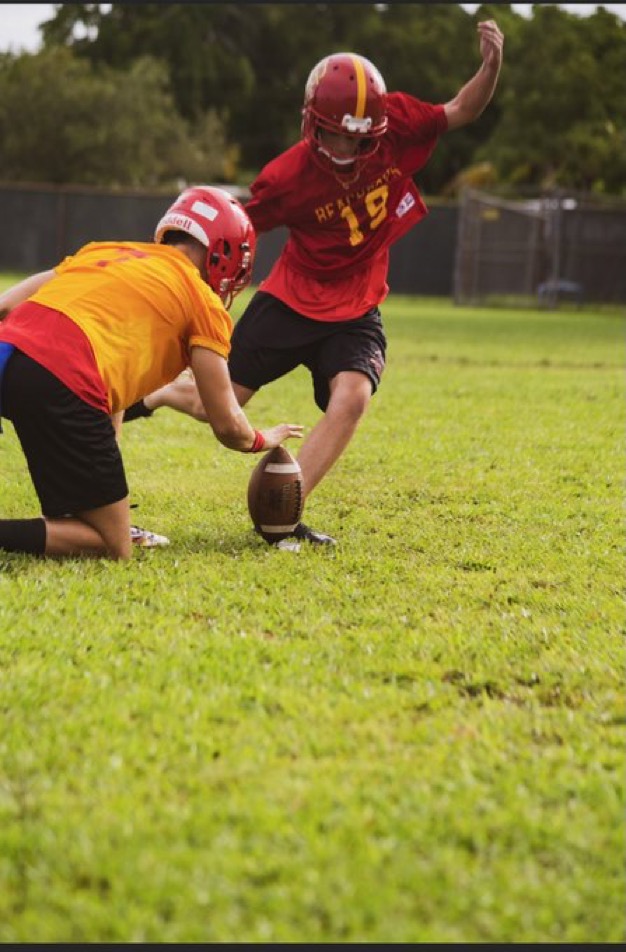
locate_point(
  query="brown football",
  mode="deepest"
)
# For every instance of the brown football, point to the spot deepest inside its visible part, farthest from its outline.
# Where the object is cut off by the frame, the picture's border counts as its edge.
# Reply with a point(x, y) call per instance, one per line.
point(275, 500)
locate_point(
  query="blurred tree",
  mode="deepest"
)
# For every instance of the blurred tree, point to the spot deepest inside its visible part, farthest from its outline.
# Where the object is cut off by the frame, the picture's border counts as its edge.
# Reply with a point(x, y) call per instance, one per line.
point(63, 120)
point(250, 61)
point(558, 116)
point(563, 107)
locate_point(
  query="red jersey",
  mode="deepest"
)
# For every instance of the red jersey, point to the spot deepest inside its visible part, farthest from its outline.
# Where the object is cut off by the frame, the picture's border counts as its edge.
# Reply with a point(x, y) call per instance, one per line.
point(335, 261)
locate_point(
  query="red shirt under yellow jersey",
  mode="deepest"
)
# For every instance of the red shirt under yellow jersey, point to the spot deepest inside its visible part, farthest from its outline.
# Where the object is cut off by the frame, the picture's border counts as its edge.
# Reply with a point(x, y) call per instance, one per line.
point(142, 308)
point(334, 264)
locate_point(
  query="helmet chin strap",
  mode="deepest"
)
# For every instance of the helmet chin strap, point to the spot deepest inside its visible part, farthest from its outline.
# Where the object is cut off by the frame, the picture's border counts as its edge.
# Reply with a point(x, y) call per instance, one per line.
point(336, 160)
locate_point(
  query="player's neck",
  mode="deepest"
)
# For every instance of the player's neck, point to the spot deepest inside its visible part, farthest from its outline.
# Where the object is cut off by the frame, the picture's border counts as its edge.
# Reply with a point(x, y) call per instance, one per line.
point(347, 179)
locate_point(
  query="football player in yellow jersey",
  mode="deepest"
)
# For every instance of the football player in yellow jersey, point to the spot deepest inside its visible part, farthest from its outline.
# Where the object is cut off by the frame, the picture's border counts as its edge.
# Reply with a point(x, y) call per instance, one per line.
point(81, 343)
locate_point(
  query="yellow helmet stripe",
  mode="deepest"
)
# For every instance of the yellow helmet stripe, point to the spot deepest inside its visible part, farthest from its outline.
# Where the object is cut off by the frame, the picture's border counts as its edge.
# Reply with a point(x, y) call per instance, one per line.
point(361, 88)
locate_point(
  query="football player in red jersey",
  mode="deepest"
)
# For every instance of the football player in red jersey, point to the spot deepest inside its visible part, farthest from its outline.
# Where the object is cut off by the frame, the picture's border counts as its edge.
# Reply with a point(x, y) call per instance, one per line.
point(345, 193)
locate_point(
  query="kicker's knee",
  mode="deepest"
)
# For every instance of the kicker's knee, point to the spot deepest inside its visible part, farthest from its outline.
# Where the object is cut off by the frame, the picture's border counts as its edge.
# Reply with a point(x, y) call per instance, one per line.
point(350, 402)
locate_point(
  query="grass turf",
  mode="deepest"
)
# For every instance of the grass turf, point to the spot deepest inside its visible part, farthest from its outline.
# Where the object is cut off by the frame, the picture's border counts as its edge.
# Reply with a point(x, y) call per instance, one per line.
point(415, 737)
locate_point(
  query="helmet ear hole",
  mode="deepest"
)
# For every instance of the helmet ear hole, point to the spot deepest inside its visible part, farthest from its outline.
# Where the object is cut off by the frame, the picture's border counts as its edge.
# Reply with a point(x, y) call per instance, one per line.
point(214, 258)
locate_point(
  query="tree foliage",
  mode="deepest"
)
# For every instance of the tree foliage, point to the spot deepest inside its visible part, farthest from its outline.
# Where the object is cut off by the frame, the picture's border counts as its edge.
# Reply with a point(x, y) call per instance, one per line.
point(63, 120)
point(563, 104)
point(234, 73)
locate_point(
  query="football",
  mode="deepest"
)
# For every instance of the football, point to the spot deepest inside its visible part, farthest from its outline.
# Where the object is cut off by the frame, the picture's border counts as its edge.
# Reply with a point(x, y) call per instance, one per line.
point(275, 499)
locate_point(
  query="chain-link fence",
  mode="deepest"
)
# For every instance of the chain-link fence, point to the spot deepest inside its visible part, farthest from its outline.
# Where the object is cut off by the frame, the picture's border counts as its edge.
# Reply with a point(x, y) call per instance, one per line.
point(42, 224)
point(490, 249)
point(540, 249)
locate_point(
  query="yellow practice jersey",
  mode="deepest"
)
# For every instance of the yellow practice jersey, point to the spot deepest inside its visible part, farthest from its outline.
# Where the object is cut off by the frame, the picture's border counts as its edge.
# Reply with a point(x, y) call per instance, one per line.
point(143, 307)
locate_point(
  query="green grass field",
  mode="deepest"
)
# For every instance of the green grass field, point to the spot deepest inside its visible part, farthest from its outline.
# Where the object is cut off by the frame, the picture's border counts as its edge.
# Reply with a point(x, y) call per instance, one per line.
point(416, 737)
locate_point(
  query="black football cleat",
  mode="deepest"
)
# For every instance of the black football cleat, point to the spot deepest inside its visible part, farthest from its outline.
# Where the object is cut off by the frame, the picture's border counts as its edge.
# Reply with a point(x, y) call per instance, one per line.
point(301, 533)
point(304, 534)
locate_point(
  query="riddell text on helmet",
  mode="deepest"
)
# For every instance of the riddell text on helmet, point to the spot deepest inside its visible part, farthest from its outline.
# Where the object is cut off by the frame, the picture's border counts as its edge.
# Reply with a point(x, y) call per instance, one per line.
point(180, 221)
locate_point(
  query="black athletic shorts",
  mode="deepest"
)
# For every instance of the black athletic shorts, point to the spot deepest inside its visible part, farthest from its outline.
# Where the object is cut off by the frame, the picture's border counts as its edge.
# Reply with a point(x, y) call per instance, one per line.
point(70, 447)
point(271, 339)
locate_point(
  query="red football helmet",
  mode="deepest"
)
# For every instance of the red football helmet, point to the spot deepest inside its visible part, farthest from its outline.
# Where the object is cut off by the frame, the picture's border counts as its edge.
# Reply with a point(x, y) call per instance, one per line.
point(218, 221)
point(345, 94)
